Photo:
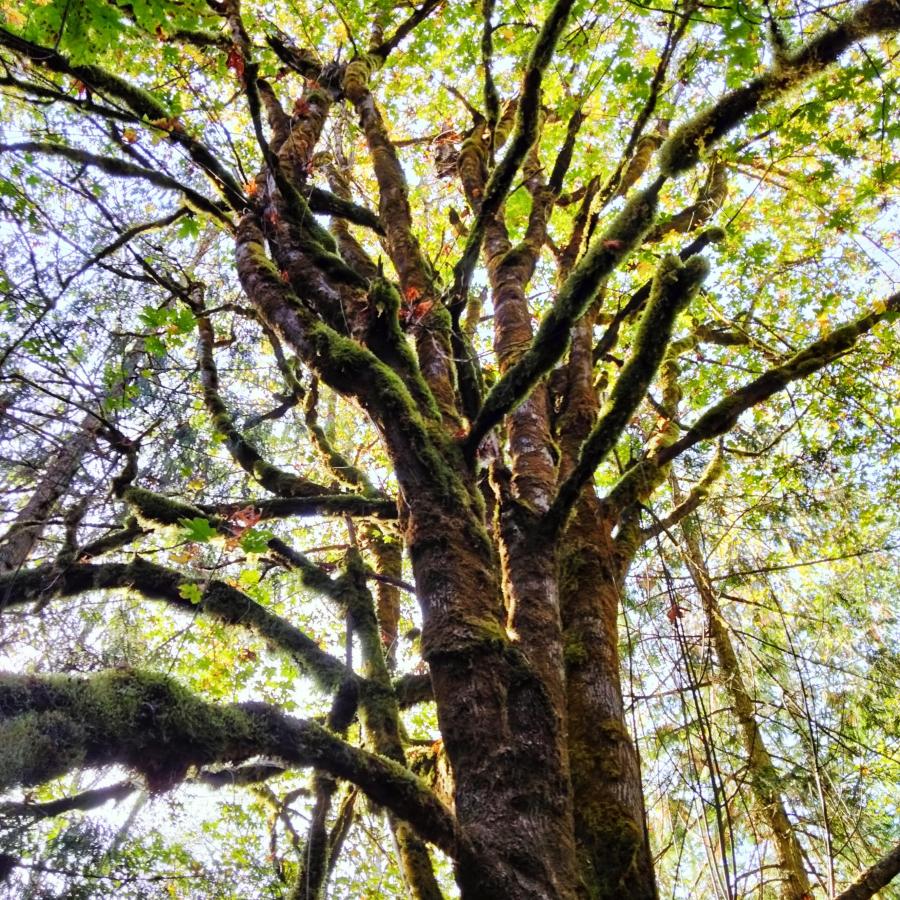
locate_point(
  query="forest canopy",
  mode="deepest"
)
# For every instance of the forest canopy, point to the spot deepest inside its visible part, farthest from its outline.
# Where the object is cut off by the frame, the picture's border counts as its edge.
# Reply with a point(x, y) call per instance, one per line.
point(449, 449)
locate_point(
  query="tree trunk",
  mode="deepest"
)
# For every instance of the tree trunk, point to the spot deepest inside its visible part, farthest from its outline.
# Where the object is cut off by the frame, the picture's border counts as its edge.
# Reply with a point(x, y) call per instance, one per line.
point(501, 728)
point(765, 782)
point(31, 521)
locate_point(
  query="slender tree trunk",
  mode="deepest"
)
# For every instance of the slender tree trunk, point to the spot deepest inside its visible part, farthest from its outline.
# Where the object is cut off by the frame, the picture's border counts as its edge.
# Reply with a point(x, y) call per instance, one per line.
point(31, 521)
point(765, 781)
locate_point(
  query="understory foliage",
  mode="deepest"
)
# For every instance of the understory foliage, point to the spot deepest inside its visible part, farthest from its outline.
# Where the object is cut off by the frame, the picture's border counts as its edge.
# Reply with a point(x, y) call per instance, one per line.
point(449, 449)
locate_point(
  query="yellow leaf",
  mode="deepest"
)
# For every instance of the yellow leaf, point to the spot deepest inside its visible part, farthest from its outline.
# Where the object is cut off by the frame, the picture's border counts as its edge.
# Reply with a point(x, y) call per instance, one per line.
point(14, 17)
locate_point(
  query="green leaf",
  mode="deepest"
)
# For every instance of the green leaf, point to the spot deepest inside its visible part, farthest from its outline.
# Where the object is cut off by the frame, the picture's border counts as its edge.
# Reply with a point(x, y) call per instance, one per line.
point(188, 227)
point(198, 530)
point(255, 540)
point(191, 591)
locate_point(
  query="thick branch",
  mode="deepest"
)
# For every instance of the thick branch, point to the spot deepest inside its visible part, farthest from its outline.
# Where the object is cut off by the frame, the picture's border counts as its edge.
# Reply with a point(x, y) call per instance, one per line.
point(874, 878)
point(52, 725)
point(673, 287)
point(576, 294)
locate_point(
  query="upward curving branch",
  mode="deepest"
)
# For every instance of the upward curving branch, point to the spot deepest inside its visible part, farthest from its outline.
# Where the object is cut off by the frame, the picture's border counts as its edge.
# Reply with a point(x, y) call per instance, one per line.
point(681, 152)
point(528, 113)
point(722, 416)
point(673, 287)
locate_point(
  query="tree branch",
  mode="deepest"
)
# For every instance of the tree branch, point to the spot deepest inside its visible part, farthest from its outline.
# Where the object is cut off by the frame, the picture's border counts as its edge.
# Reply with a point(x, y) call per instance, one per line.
point(218, 600)
point(55, 724)
point(724, 415)
point(673, 287)
point(119, 168)
point(875, 878)
point(526, 129)
point(143, 104)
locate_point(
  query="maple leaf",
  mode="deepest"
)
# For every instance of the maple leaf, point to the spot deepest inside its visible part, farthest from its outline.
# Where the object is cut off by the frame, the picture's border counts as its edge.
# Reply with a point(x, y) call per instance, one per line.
point(251, 188)
point(246, 517)
point(129, 136)
point(235, 61)
point(412, 293)
point(301, 107)
point(674, 612)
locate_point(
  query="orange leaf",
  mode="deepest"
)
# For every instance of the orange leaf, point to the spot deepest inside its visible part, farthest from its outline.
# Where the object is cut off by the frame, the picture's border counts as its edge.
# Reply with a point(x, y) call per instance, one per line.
point(235, 60)
point(412, 293)
point(420, 310)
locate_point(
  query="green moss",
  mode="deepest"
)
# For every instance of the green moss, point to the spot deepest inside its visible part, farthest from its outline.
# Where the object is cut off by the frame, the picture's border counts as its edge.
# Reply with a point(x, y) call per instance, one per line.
point(357, 75)
point(34, 744)
point(156, 509)
point(142, 720)
point(575, 653)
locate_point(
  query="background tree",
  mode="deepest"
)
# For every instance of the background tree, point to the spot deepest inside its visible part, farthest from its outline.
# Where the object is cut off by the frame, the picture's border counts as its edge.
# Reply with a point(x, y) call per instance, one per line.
point(449, 448)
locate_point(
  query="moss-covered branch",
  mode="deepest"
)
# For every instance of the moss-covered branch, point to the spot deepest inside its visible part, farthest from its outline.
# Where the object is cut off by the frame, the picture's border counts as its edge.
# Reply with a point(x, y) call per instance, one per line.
point(325, 505)
point(120, 168)
point(528, 114)
point(144, 106)
point(52, 725)
point(724, 415)
point(689, 504)
point(710, 198)
point(218, 600)
point(639, 298)
point(337, 463)
point(348, 368)
point(684, 148)
point(552, 337)
point(322, 201)
point(673, 287)
point(284, 484)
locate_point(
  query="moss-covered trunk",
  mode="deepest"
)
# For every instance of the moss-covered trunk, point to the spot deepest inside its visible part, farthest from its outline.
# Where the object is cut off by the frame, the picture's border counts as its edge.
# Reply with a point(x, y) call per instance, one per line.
point(499, 723)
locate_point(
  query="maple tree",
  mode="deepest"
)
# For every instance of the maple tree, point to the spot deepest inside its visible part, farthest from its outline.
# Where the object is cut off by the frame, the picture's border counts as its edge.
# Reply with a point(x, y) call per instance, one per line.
point(449, 448)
